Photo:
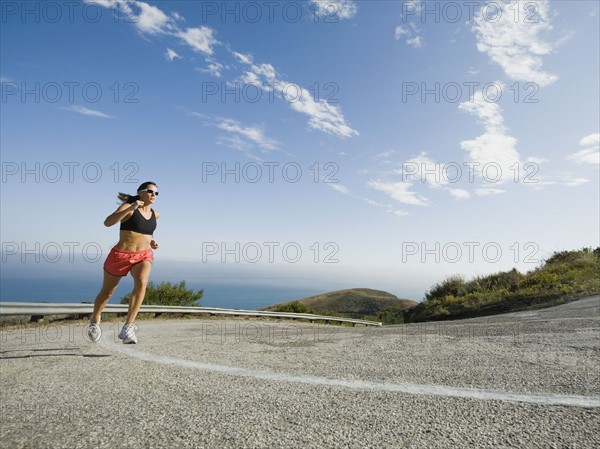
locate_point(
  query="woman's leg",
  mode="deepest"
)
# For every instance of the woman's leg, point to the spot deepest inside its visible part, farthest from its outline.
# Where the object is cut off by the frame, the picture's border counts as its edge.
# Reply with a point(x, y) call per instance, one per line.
point(141, 274)
point(109, 285)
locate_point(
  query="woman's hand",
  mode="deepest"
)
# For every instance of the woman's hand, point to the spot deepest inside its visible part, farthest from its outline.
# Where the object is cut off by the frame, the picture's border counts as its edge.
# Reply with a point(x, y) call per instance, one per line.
point(124, 210)
point(136, 204)
point(153, 244)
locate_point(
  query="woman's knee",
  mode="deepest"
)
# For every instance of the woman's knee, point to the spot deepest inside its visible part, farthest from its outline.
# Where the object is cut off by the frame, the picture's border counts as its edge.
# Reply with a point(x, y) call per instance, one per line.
point(140, 284)
point(107, 292)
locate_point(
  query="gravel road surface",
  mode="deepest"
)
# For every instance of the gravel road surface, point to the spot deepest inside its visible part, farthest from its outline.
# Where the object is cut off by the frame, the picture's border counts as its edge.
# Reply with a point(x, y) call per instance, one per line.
point(528, 379)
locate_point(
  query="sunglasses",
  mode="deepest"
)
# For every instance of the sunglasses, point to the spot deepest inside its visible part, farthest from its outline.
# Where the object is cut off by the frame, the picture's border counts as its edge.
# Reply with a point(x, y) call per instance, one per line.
point(150, 191)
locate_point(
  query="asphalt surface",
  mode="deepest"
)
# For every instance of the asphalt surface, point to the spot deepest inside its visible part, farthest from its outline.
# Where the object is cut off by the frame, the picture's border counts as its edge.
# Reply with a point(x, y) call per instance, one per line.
point(529, 379)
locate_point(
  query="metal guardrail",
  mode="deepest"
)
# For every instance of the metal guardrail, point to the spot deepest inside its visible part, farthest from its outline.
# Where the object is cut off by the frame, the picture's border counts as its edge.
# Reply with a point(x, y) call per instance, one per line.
point(36, 309)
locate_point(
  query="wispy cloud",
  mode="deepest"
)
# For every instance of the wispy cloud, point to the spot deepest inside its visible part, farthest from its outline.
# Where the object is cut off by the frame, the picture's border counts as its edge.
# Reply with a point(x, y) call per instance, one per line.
point(346, 191)
point(191, 113)
point(86, 111)
point(400, 31)
point(339, 188)
point(385, 157)
point(200, 39)
point(411, 34)
point(109, 3)
point(213, 67)
point(246, 59)
point(171, 55)
point(151, 20)
point(488, 191)
point(517, 46)
point(574, 182)
point(590, 154)
point(239, 137)
point(253, 134)
point(422, 169)
point(323, 116)
point(237, 143)
point(459, 194)
point(344, 9)
point(495, 148)
point(400, 191)
point(416, 42)
point(538, 181)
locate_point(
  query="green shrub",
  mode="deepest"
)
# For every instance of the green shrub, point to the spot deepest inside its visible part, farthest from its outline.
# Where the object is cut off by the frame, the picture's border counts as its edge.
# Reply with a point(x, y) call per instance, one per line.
point(453, 285)
point(564, 276)
point(504, 280)
point(578, 258)
point(390, 315)
point(541, 279)
point(166, 294)
point(293, 307)
point(440, 310)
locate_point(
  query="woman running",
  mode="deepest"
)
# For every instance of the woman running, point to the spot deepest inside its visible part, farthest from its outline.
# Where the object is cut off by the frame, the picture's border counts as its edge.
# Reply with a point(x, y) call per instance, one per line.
point(132, 254)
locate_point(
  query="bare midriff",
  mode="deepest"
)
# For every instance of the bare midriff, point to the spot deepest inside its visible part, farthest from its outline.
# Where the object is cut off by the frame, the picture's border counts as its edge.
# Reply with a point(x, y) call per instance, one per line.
point(133, 241)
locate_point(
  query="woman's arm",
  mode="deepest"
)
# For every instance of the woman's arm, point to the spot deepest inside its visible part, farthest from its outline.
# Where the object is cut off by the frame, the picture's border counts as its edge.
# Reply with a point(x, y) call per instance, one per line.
point(154, 243)
point(124, 210)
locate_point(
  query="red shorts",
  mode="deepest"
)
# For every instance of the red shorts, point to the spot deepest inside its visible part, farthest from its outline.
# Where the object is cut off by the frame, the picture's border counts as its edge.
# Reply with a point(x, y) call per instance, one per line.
point(119, 262)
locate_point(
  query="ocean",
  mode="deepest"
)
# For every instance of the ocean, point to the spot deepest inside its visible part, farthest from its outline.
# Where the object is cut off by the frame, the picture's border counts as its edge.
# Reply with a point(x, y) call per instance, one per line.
point(79, 290)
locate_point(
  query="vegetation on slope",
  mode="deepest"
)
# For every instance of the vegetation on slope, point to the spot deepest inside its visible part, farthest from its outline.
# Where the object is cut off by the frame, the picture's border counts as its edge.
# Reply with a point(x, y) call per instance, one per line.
point(564, 276)
point(363, 303)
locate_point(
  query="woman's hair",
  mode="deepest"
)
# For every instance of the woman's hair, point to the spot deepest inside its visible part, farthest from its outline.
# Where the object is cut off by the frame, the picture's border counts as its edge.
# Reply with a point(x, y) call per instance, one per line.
point(127, 198)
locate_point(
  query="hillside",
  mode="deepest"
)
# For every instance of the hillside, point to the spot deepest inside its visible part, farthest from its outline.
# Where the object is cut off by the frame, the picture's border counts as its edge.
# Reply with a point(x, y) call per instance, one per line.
point(564, 276)
point(354, 302)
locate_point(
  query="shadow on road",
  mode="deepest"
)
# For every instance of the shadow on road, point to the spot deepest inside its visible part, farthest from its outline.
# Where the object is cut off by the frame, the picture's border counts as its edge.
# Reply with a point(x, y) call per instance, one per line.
point(47, 353)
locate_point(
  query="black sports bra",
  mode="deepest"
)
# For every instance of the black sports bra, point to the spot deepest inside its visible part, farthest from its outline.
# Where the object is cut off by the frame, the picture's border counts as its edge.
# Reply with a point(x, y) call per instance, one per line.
point(138, 223)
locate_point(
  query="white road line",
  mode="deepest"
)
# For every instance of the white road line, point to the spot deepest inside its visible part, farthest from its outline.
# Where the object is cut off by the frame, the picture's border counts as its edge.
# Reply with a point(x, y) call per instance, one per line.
point(409, 388)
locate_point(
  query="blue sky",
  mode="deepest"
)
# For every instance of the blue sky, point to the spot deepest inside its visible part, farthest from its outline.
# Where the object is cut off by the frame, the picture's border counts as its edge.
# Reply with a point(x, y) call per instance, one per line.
point(315, 144)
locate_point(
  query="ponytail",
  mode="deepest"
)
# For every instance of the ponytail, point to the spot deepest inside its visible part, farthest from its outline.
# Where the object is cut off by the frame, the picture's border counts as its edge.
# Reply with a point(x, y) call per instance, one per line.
point(126, 198)
point(130, 199)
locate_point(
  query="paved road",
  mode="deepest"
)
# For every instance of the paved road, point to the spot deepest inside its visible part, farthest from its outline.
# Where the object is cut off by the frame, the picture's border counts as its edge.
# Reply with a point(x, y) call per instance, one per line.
point(526, 379)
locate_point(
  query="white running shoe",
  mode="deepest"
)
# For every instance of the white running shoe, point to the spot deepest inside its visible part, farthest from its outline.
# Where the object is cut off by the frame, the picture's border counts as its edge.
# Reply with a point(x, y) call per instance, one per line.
point(94, 332)
point(127, 334)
